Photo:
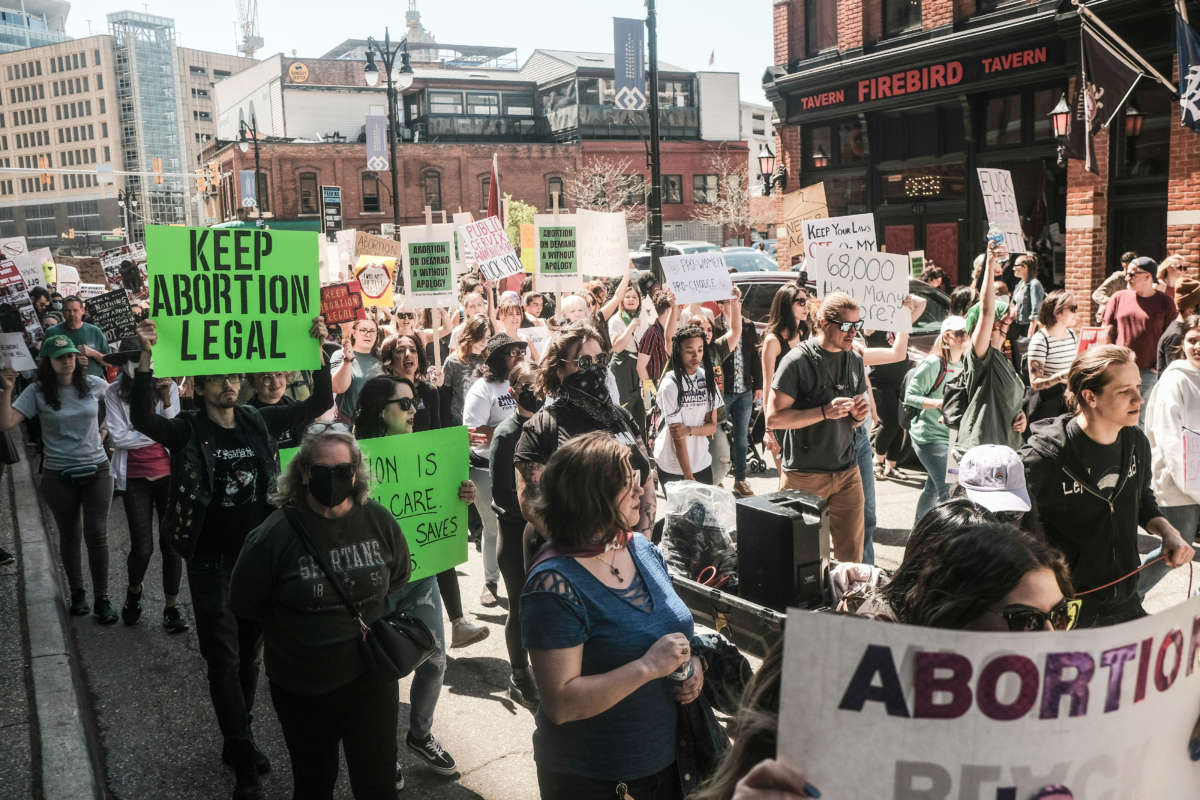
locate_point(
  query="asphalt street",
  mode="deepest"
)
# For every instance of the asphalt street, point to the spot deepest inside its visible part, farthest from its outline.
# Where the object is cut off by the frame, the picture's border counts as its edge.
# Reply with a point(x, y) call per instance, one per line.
point(148, 706)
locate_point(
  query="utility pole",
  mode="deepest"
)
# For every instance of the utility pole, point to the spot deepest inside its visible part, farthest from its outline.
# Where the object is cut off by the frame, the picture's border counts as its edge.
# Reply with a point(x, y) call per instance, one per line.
point(654, 234)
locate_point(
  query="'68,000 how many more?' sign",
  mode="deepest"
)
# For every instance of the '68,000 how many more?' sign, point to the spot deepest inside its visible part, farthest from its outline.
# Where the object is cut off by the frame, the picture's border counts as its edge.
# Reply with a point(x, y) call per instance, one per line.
point(233, 300)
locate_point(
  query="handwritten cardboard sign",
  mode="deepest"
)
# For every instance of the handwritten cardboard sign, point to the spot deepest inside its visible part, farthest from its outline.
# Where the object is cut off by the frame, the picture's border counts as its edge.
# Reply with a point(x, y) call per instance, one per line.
point(878, 282)
point(233, 300)
point(14, 292)
point(429, 266)
point(557, 252)
point(1000, 203)
point(538, 339)
point(31, 266)
point(959, 715)
point(342, 302)
point(492, 250)
point(603, 243)
point(800, 206)
point(853, 232)
point(1090, 335)
point(14, 353)
point(416, 476)
point(112, 314)
point(698, 278)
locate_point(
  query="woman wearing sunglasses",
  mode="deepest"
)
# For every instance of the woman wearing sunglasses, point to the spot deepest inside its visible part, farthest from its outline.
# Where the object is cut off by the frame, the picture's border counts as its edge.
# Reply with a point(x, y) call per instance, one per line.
point(412, 323)
point(388, 407)
point(687, 401)
point(1051, 351)
point(356, 364)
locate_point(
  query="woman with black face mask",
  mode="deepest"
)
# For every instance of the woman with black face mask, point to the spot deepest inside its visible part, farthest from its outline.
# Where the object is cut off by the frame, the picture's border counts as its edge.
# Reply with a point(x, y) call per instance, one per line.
point(323, 692)
point(573, 378)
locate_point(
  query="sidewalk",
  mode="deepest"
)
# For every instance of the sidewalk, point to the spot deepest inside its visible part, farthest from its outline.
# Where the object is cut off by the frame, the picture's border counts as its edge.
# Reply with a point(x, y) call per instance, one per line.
point(17, 728)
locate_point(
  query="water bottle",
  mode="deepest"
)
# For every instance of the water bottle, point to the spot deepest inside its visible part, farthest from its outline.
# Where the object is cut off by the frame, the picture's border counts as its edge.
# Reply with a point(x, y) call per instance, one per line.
point(995, 237)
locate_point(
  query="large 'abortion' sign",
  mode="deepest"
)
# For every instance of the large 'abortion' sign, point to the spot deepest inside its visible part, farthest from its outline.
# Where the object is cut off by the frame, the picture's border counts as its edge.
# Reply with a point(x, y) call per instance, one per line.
point(955, 715)
point(878, 282)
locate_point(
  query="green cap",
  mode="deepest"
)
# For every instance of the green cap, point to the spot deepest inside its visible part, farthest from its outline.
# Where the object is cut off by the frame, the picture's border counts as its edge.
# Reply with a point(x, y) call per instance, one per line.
point(57, 346)
point(973, 314)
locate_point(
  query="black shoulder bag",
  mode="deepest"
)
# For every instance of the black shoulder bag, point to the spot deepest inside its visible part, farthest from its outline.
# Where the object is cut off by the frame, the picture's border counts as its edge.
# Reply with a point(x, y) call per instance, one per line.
point(396, 643)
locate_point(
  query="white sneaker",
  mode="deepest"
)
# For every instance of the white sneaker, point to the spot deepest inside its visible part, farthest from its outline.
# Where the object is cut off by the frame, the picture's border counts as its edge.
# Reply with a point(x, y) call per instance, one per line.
point(464, 633)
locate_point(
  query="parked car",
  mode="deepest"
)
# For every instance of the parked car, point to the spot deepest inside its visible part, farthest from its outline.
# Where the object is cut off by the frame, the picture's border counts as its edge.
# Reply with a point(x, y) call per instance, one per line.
point(739, 249)
point(641, 258)
point(768, 246)
point(745, 259)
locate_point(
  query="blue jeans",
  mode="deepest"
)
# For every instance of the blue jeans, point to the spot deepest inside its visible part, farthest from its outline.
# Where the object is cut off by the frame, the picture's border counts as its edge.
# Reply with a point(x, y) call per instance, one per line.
point(1149, 378)
point(423, 600)
point(1186, 520)
point(866, 468)
point(933, 458)
point(738, 408)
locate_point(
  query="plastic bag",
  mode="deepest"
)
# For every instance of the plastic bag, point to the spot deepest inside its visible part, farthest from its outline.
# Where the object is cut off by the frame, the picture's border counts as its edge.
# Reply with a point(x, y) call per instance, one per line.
point(700, 522)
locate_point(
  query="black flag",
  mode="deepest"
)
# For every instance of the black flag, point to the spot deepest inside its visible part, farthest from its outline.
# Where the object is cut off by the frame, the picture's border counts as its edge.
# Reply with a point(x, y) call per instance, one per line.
point(1106, 79)
point(1189, 73)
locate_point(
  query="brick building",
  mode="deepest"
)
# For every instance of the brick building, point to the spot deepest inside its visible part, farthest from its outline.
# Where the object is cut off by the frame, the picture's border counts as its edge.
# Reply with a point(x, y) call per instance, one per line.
point(893, 105)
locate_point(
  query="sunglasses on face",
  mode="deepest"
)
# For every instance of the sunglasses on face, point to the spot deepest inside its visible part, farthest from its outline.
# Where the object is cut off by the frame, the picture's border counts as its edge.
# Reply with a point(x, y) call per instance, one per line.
point(405, 315)
point(232, 380)
point(321, 427)
point(587, 362)
point(344, 471)
point(846, 327)
point(1026, 619)
point(405, 403)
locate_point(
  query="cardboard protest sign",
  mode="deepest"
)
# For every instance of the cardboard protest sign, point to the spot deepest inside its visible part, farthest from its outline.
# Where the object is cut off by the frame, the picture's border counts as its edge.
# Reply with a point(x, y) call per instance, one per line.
point(14, 353)
point(368, 244)
point(342, 302)
point(1000, 203)
point(463, 254)
point(30, 265)
point(697, 278)
point(416, 476)
point(492, 250)
point(89, 290)
point(799, 206)
point(538, 338)
point(528, 248)
point(557, 251)
point(1091, 335)
point(376, 276)
point(13, 246)
point(233, 300)
point(66, 280)
point(111, 313)
point(125, 268)
point(1191, 460)
point(603, 243)
point(854, 232)
point(916, 262)
point(429, 266)
point(14, 292)
point(960, 715)
point(878, 282)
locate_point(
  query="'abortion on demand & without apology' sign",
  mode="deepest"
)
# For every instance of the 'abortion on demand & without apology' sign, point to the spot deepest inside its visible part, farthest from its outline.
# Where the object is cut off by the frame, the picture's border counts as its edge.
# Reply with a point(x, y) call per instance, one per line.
point(233, 300)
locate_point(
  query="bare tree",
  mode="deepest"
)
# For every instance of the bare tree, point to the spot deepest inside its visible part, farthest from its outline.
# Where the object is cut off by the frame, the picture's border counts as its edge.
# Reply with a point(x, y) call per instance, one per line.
point(608, 184)
point(729, 203)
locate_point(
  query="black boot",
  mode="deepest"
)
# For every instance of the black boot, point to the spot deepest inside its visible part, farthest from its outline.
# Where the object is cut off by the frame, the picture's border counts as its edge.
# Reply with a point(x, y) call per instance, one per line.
point(131, 612)
point(79, 603)
point(247, 785)
point(522, 688)
point(230, 751)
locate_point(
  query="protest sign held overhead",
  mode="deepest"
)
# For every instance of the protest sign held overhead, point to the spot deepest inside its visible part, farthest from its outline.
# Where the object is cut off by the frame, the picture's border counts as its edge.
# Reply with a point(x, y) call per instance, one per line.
point(698, 277)
point(878, 282)
point(491, 248)
point(416, 477)
point(960, 715)
point(14, 353)
point(603, 243)
point(31, 265)
point(125, 267)
point(854, 232)
point(66, 280)
point(557, 249)
point(376, 275)
point(1000, 203)
point(430, 266)
point(89, 290)
point(14, 292)
point(13, 246)
point(111, 313)
point(233, 300)
point(798, 207)
point(528, 248)
point(342, 302)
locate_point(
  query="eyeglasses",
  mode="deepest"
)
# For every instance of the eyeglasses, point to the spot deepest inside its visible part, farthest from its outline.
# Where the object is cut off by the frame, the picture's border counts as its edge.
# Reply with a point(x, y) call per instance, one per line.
point(846, 327)
point(587, 362)
point(1133, 273)
point(317, 428)
point(1026, 619)
point(345, 471)
point(232, 380)
point(405, 315)
point(405, 403)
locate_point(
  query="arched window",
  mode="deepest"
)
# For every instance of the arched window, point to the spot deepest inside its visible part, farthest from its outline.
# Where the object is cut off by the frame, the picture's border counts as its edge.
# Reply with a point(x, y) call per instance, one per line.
point(431, 182)
point(555, 186)
point(308, 193)
point(485, 190)
point(370, 192)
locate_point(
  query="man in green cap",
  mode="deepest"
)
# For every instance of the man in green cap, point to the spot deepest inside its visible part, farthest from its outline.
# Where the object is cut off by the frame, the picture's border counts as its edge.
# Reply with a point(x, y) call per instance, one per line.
point(89, 339)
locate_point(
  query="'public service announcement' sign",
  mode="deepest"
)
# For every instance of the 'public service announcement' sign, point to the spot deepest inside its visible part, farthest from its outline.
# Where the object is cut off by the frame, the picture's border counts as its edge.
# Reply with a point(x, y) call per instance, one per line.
point(233, 300)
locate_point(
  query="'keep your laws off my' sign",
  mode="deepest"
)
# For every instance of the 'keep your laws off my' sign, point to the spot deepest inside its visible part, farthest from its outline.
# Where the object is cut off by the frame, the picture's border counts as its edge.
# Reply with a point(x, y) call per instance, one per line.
point(233, 300)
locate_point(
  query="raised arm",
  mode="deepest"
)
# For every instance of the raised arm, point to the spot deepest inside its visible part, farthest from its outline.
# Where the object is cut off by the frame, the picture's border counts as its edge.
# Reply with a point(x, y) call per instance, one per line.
point(614, 302)
point(981, 337)
point(875, 356)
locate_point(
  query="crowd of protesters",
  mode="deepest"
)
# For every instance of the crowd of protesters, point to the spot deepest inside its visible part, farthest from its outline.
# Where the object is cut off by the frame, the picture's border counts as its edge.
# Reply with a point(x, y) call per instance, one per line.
point(1041, 463)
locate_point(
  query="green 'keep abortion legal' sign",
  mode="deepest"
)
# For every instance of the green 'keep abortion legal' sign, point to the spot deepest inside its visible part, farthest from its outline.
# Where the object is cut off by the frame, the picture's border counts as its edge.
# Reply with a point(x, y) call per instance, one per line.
point(416, 477)
point(233, 299)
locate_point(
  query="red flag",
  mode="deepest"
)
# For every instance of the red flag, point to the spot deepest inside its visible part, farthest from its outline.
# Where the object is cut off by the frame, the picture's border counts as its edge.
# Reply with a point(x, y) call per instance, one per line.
point(494, 190)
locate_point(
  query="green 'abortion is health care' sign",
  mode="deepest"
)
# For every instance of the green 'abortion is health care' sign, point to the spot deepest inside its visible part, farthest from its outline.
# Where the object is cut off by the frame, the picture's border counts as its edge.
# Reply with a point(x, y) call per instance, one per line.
point(416, 476)
point(233, 300)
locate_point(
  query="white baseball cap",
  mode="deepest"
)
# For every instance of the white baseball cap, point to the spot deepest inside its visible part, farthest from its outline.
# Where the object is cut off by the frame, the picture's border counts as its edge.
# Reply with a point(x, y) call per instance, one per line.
point(954, 323)
point(993, 476)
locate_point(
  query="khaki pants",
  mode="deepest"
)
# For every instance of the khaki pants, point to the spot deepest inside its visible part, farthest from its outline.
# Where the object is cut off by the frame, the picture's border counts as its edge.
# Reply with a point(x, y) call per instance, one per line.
point(843, 492)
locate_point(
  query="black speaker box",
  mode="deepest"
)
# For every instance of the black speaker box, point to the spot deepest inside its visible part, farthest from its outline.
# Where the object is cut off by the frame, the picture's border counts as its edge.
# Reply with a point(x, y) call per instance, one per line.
point(783, 548)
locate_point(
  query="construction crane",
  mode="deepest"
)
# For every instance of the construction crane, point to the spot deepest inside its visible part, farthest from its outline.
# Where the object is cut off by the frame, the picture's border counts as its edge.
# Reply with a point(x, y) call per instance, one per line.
point(248, 39)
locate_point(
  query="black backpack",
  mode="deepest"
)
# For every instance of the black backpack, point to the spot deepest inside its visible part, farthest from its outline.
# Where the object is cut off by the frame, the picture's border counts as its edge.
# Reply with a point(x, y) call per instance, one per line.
point(909, 413)
point(955, 399)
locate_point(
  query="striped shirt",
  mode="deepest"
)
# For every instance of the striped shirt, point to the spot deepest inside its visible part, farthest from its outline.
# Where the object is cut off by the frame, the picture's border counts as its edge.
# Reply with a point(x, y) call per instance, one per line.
point(1055, 354)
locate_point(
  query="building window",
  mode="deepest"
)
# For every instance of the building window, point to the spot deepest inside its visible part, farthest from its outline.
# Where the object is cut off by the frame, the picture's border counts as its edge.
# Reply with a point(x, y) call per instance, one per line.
point(99, 82)
point(1003, 125)
point(672, 188)
point(900, 16)
point(635, 189)
point(485, 190)
point(554, 186)
point(445, 103)
point(485, 103)
point(518, 104)
point(704, 189)
point(308, 193)
point(431, 185)
point(221, 73)
point(820, 26)
point(674, 94)
point(370, 193)
point(197, 70)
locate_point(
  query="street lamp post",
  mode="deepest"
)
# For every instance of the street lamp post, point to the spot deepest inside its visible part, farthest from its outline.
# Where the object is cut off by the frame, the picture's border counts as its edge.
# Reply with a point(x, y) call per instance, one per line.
point(768, 173)
point(244, 145)
point(1060, 119)
point(387, 53)
point(654, 221)
point(126, 201)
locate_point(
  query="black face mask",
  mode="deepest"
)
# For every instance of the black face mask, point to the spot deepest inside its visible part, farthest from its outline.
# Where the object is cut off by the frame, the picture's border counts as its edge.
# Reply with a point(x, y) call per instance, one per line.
point(330, 486)
point(528, 401)
point(589, 381)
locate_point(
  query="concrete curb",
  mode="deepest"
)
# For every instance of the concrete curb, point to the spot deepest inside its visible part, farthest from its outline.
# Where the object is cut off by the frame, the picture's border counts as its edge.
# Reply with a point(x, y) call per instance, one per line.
point(66, 763)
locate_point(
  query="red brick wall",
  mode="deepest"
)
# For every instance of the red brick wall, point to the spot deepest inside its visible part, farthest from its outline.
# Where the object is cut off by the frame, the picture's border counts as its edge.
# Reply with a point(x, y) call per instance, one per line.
point(781, 28)
point(872, 21)
point(1183, 194)
point(787, 149)
point(1087, 229)
point(850, 24)
point(936, 13)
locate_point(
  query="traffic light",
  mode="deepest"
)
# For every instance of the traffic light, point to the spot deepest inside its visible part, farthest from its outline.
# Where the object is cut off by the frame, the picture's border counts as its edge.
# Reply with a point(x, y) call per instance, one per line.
point(201, 181)
point(214, 176)
point(70, 234)
point(158, 178)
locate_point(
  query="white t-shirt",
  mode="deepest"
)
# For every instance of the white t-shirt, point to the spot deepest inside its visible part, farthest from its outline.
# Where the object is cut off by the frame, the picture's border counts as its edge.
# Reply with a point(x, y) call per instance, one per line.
point(488, 404)
point(690, 412)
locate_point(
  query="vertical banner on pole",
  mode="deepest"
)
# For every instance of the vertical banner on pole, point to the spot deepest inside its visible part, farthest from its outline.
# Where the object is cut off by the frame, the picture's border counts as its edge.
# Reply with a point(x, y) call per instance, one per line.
point(249, 188)
point(629, 64)
point(376, 125)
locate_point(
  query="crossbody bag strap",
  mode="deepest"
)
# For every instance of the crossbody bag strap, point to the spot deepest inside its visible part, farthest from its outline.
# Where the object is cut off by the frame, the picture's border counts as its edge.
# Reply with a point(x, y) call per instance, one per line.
point(294, 518)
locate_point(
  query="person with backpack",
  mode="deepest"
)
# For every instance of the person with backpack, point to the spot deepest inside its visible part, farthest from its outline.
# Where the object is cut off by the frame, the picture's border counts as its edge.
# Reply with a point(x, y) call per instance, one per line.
point(924, 386)
point(1051, 351)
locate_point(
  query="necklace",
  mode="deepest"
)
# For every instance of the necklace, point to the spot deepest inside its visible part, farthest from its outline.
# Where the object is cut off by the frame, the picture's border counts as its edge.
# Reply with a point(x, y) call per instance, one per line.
point(612, 567)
